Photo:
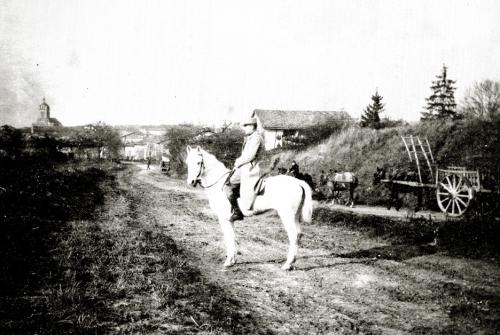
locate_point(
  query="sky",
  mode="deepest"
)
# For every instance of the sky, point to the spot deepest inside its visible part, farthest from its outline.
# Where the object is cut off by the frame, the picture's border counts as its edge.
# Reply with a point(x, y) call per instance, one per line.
point(165, 62)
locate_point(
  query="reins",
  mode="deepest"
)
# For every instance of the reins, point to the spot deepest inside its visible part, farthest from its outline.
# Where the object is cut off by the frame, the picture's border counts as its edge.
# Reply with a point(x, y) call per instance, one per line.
point(230, 173)
point(227, 172)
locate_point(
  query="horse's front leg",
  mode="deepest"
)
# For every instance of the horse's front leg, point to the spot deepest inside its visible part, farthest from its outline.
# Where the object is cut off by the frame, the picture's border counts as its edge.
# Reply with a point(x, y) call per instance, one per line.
point(334, 195)
point(351, 196)
point(392, 198)
point(229, 239)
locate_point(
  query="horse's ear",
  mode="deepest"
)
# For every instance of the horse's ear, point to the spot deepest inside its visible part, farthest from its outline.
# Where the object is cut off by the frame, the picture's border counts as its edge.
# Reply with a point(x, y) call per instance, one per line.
point(188, 149)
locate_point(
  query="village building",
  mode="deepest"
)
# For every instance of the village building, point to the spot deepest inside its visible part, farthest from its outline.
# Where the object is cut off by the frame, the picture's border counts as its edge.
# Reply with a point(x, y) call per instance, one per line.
point(141, 144)
point(44, 120)
point(278, 125)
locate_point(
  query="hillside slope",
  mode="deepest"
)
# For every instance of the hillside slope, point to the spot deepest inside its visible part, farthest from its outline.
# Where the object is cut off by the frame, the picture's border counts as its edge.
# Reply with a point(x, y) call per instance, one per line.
point(473, 144)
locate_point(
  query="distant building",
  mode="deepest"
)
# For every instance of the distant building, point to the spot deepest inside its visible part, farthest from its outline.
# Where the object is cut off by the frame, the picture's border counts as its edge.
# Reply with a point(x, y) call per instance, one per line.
point(277, 125)
point(141, 144)
point(44, 120)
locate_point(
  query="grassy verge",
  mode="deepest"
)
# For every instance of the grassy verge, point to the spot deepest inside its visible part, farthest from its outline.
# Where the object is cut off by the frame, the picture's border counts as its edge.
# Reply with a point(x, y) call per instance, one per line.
point(44, 277)
point(80, 254)
point(474, 237)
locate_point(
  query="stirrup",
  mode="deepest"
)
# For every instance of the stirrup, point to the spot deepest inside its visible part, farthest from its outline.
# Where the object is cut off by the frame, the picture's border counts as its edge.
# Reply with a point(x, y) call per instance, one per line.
point(236, 217)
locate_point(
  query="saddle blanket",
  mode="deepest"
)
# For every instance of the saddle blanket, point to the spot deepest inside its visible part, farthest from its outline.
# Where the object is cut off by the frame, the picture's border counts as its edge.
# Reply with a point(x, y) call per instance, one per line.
point(344, 177)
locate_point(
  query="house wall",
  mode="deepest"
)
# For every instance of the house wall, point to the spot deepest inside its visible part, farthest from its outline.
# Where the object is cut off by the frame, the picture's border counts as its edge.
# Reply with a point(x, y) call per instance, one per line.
point(143, 151)
point(273, 138)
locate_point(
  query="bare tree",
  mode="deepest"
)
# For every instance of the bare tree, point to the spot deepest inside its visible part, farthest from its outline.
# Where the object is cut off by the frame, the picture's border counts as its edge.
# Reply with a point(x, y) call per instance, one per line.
point(225, 126)
point(482, 100)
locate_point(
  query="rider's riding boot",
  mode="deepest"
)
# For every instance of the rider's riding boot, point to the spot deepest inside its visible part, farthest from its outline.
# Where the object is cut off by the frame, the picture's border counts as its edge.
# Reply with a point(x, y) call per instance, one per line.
point(233, 195)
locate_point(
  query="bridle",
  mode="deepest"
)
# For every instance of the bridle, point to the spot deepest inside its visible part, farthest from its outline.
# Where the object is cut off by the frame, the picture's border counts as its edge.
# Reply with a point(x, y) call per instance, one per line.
point(202, 169)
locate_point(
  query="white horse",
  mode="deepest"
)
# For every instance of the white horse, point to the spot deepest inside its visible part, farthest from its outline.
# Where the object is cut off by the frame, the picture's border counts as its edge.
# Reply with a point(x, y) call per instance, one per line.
point(290, 197)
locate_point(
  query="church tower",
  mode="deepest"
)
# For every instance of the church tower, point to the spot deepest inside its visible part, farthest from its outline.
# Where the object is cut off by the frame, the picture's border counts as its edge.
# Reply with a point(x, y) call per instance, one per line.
point(44, 120)
point(44, 110)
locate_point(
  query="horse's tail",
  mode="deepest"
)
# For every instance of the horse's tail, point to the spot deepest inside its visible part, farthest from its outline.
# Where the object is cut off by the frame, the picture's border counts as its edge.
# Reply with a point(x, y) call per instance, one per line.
point(307, 204)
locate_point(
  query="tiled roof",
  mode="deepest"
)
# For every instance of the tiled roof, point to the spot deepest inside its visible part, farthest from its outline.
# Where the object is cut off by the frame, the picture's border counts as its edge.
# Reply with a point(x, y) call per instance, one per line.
point(279, 119)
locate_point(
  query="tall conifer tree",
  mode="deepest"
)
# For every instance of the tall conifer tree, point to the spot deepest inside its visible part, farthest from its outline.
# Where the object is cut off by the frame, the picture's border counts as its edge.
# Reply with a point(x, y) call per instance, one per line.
point(441, 103)
point(371, 116)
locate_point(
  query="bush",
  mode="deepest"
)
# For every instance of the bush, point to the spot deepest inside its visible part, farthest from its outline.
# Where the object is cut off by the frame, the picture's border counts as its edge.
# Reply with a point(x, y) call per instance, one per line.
point(11, 140)
point(178, 138)
point(226, 146)
point(314, 135)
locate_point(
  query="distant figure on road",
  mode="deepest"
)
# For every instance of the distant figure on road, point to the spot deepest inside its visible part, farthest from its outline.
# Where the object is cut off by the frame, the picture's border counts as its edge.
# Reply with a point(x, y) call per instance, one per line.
point(149, 162)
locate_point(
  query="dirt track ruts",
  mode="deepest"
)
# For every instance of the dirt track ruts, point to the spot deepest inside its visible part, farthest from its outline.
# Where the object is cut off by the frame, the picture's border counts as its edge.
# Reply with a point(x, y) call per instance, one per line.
point(332, 290)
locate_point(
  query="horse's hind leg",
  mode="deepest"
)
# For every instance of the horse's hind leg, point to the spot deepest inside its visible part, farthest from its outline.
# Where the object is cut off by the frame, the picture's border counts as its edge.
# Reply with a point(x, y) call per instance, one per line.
point(292, 228)
point(419, 200)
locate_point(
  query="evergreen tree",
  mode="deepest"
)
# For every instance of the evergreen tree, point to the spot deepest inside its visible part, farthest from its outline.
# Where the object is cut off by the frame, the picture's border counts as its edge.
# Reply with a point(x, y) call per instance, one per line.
point(441, 104)
point(371, 116)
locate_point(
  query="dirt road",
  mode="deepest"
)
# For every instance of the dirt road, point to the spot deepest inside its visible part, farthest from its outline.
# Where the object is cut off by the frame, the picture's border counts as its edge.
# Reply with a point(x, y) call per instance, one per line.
point(403, 213)
point(343, 283)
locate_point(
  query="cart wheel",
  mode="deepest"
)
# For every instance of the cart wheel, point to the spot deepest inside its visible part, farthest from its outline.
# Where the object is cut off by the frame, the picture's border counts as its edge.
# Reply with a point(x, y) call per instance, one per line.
point(454, 195)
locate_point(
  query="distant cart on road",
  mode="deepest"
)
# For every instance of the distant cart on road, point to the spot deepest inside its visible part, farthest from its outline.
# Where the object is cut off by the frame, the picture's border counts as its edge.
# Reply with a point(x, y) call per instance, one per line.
point(165, 165)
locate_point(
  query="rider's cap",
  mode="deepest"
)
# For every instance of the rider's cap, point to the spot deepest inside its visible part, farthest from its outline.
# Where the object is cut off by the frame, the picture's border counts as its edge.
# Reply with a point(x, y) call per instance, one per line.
point(250, 121)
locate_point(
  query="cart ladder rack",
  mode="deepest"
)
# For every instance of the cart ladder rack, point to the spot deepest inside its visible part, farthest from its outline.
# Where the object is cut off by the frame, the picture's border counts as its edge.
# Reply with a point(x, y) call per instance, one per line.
point(412, 145)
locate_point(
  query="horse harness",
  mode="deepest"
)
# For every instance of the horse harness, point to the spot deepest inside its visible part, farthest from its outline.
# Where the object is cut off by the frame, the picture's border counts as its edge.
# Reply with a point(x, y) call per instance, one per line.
point(202, 168)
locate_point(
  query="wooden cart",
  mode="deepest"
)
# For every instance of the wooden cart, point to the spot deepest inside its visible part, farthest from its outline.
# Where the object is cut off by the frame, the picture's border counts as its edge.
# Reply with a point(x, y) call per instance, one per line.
point(165, 165)
point(456, 187)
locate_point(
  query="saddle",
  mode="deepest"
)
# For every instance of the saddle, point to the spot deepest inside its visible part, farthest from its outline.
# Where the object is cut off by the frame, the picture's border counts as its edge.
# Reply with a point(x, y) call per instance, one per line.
point(260, 185)
point(259, 188)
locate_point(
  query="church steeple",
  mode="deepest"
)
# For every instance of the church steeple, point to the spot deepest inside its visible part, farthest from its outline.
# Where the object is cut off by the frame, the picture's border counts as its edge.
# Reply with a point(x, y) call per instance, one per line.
point(44, 110)
point(44, 120)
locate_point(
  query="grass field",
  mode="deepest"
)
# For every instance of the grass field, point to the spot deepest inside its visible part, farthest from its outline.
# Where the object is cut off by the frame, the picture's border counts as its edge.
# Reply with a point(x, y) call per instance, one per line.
point(77, 258)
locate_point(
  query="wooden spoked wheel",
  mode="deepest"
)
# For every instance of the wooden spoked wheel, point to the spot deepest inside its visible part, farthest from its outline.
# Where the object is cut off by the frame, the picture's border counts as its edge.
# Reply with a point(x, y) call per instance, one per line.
point(454, 195)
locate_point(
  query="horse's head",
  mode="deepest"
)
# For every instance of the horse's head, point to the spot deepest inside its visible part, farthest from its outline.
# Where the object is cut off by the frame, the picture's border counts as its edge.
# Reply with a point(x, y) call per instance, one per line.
point(282, 170)
point(378, 175)
point(195, 165)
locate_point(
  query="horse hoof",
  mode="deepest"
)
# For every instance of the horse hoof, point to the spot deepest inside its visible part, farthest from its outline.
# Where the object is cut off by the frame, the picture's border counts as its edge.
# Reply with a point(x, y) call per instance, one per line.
point(287, 267)
point(228, 263)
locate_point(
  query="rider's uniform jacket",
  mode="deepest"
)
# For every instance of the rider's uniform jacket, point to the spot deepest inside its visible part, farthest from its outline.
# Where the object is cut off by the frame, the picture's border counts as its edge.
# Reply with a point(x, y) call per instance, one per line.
point(248, 167)
point(253, 150)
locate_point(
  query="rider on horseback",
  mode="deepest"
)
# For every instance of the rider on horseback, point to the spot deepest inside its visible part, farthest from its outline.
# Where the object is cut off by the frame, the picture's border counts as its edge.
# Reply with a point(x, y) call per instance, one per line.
point(247, 171)
point(294, 169)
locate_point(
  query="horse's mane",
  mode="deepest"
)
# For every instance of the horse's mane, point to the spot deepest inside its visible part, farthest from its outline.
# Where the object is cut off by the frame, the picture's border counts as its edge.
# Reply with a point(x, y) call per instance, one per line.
point(211, 160)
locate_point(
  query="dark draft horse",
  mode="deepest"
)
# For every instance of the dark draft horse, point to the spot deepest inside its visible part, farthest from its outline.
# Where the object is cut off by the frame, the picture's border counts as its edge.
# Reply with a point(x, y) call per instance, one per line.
point(397, 189)
point(299, 175)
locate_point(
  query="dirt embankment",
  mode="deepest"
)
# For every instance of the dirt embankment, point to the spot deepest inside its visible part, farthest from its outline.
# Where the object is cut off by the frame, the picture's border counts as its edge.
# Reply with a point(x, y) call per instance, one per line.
point(347, 280)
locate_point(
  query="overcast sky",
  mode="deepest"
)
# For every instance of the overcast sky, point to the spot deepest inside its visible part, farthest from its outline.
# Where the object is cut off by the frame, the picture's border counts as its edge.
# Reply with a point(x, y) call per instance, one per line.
point(157, 62)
